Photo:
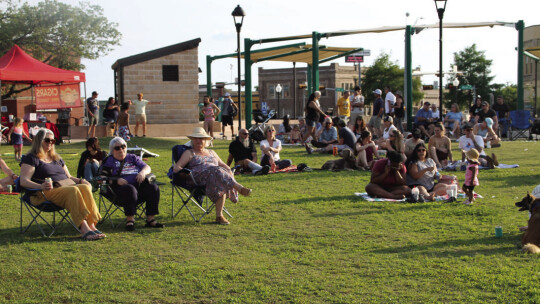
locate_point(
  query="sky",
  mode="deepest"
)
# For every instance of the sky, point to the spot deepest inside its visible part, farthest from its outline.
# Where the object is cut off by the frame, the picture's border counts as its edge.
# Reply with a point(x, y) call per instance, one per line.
point(148, 25)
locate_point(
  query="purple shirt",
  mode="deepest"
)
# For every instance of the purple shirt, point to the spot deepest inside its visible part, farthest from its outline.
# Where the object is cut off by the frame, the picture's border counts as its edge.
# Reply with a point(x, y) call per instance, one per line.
point(132, 166)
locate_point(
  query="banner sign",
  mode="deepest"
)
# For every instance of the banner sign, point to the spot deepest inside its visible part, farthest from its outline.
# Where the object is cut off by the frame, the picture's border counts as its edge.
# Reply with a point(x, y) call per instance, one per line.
point(354, 58)
point(57, 96)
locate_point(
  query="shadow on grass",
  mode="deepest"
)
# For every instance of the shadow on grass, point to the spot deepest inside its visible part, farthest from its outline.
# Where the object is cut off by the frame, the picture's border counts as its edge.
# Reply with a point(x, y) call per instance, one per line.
point(454, 248)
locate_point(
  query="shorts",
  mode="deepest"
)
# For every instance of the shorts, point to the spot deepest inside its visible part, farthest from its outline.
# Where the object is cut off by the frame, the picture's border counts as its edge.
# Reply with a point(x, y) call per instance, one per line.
point(140, 118)
point(92, 120)
point(310, 123)
point(227, 120)
point(441, 155)
point(375, 121)
point(470, 188)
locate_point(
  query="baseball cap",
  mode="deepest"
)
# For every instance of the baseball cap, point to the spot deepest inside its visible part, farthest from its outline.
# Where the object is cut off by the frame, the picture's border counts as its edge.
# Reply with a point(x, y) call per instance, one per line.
point(377, 91)
point(485, 103)
point(468, 126)
point(427, 103)
point(489, 122)
point(389, 118)
point(227, 94)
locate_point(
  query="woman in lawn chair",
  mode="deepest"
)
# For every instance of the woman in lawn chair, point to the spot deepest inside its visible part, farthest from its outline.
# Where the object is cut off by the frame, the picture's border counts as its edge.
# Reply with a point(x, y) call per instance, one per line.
point(127, 174)
point(210, 171)
point(42, 168)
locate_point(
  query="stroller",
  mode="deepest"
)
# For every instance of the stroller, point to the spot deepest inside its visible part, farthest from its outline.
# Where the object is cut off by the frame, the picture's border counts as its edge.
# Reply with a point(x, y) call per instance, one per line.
point(256, 132)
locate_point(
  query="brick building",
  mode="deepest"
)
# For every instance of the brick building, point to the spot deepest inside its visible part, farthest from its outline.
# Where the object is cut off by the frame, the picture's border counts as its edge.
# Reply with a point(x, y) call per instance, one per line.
point(168, 75)
point(330, 77)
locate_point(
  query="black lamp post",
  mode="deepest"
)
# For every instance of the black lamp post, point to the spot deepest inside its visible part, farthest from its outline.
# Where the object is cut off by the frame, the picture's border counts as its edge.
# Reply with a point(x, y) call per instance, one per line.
point(441, 6)
point(238, 17)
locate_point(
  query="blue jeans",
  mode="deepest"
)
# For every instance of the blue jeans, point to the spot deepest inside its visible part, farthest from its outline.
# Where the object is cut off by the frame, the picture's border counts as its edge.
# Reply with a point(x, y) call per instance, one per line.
point(90, 170)
point(504, 124)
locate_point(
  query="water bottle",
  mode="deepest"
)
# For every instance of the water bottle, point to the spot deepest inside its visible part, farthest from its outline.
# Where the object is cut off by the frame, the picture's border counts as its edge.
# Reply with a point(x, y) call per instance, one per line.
point(416, 193)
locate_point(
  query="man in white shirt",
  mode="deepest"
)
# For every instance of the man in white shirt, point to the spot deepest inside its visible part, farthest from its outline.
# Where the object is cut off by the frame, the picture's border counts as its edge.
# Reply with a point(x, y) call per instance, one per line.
point(389, 101)
point(469, 141)
point(140, 112)
point(357, 104)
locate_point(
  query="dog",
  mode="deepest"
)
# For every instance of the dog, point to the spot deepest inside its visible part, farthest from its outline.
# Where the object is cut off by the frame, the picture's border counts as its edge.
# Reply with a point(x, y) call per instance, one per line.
point(347, 162)
point(531, 238)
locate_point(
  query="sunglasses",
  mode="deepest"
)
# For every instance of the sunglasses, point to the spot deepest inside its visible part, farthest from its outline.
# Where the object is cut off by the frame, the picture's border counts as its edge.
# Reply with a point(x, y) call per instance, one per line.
point(422, 150)
point(118, 148)
point(49, 140)
point(271, 130)
point(244, 133)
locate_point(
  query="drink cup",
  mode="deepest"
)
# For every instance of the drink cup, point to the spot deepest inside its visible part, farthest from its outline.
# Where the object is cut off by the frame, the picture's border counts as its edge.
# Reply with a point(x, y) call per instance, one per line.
point(498, 231)
point(9, 188)
point(450, 193)
point(382, 153)
point(488, 144)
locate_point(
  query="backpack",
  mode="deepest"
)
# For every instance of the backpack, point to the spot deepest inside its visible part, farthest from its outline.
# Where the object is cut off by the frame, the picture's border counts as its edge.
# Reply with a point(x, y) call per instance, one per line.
point(232, 110)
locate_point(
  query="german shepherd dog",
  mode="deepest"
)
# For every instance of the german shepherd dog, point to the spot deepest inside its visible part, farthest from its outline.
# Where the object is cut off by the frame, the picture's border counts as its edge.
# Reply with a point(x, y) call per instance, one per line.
point(531, 238)
point(347, 162)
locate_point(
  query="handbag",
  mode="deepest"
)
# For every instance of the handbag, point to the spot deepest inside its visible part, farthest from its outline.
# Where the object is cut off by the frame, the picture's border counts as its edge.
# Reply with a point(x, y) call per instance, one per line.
point(63, 183)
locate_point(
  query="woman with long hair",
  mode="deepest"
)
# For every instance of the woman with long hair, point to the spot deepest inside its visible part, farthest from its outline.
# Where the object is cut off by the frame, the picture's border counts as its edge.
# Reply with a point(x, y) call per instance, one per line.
point(313, 113)
point(366, 151)
point(359, 126)
point(270, 148)
point(422, 172)
point(43, 163)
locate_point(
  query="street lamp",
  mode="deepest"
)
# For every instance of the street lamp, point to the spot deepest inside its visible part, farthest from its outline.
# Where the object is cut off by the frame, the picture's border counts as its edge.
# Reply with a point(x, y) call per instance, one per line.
point(441, 6)
point(278, 91)
point(238, 17)
point(456, 84)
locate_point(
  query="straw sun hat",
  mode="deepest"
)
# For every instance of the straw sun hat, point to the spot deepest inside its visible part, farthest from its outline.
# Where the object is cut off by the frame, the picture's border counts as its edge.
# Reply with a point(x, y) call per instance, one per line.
point(199, 133)
point(472, 154)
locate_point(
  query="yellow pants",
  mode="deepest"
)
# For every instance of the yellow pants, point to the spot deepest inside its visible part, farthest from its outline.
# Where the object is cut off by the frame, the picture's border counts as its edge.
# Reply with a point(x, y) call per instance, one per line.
point(77, 199)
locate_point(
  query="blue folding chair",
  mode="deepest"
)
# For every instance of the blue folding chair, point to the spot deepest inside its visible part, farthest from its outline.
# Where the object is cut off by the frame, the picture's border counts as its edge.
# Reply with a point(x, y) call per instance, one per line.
point(36, 211)
point(188, 192)
point(520, 125)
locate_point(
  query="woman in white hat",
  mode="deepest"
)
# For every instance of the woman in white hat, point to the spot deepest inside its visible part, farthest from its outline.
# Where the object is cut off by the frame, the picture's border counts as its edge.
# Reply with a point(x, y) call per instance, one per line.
point(210, 171)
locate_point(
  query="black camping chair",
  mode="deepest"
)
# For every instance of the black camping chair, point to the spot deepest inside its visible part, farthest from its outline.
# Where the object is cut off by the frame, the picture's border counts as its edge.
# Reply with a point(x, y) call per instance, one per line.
point(36, 212)
point(185, 187)
point(110, 201)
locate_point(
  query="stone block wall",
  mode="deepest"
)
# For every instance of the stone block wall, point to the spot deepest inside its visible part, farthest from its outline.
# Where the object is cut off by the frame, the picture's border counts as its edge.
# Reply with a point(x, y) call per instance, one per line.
point(179, 98)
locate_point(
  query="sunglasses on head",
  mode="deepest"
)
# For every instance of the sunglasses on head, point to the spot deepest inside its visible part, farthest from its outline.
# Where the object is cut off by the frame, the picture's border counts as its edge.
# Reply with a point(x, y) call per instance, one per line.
point(49, 140)
point(118, 148)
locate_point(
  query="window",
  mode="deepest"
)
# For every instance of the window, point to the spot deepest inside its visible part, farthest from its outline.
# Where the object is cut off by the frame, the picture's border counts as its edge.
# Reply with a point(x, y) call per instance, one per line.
point(271, 91)
point(285, 92)
point(170, 72)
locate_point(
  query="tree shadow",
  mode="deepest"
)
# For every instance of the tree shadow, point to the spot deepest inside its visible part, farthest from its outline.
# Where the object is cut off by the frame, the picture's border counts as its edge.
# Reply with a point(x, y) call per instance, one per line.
point(454, 248)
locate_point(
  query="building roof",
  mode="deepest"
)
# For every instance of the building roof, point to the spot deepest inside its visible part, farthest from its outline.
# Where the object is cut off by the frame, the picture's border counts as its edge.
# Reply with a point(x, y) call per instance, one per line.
point(535, 51)
point(161, 52)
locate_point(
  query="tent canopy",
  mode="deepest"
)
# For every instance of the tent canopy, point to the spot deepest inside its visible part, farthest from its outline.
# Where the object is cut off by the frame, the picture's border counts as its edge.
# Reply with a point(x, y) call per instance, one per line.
point(17, 66)
point(298, 54)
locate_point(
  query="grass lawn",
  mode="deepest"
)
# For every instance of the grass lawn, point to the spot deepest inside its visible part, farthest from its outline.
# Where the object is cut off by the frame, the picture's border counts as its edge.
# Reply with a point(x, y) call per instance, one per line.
point(300, 238)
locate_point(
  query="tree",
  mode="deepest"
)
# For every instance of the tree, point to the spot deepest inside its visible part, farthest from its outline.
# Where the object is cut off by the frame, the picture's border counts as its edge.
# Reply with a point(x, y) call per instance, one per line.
point(383, 73)
point(477, 70)
point(56, 33)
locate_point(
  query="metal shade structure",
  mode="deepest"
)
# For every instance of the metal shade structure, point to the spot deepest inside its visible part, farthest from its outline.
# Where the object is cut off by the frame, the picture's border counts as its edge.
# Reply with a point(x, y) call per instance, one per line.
point(301, 53)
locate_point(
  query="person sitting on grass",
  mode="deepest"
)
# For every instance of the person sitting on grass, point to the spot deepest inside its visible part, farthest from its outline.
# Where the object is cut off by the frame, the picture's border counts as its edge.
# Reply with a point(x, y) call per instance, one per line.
point(326, 135)
point(440, 147)
point(410, 143)
point(388, 178)
point(485, 130)
point(366, 151)
point(394, 143)
point(346, 140)
point(243, 151)
point(388, 124)
point(470, 141)
point(11, 176)
point(270, 147)
point(422, 173)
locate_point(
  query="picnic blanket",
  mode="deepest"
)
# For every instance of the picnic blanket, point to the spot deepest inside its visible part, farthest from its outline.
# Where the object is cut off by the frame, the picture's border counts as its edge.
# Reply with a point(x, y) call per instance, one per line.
point(8, 193)
point(368, 198)
point(452, 167)
point(292, 168)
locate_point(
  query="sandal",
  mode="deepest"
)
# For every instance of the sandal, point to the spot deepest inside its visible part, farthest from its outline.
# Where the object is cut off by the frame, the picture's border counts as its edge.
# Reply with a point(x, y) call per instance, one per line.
point(101, 234)
point(91, 236)
point(130, 225)
point(156, 225)
point(222, 220)
point(245, 191)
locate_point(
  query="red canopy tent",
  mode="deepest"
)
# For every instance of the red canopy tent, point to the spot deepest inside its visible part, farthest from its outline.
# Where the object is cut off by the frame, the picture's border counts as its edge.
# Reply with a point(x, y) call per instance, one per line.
point(16, 66)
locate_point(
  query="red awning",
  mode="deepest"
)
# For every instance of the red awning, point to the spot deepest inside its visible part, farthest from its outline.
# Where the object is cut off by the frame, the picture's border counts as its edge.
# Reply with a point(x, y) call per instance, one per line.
point(19, 67)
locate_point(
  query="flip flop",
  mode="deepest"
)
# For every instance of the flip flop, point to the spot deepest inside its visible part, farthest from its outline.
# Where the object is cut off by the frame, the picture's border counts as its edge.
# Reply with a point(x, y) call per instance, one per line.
point(91, 236)
point(101, 234)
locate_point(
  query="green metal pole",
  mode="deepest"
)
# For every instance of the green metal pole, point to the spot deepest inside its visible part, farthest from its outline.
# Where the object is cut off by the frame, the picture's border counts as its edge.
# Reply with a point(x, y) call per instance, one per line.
point(247, 89)
point(315, 61)
point(408, 77)
point(309, 80)
point(209, 75)
point(519, 27)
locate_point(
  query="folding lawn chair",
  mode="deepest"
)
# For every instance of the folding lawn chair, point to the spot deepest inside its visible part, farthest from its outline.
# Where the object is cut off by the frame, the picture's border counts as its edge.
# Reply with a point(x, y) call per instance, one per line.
point(184, 185)
point(106, 193)
point(36, 212)
point(520, 124)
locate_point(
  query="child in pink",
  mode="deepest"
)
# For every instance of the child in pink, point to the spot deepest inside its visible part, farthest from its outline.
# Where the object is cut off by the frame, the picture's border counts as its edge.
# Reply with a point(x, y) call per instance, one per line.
point(471, 175)
point(16, 135)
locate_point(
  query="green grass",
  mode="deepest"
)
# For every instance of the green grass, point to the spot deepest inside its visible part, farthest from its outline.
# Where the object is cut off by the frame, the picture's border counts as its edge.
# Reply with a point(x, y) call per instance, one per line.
point(300, 238)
